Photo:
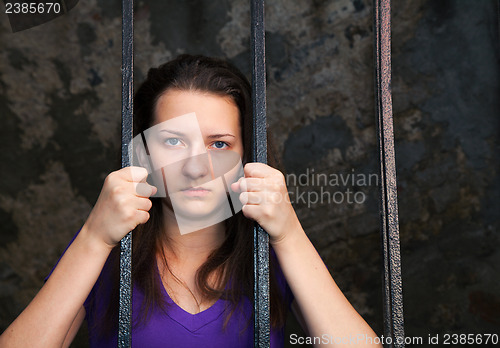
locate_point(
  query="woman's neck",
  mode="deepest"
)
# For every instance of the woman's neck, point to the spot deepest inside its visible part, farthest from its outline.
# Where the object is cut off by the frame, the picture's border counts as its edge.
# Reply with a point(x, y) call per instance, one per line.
point(185, 253)
point(194, 246)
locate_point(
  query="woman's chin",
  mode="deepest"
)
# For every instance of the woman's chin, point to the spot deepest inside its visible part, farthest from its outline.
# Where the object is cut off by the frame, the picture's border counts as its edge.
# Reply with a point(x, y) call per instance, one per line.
point(194, 217)
point(198, 210)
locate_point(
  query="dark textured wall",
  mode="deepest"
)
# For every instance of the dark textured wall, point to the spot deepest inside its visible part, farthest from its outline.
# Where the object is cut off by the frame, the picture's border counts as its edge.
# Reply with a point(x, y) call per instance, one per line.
point(447, 108)
point(60, 111)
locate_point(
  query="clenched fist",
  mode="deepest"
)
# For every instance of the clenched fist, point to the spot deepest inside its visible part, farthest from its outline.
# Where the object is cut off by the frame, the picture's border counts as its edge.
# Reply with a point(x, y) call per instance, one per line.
point(122, 205)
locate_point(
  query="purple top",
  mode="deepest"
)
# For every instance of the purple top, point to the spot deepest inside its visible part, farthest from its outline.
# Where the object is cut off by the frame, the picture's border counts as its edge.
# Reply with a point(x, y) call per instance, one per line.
point(178, 328)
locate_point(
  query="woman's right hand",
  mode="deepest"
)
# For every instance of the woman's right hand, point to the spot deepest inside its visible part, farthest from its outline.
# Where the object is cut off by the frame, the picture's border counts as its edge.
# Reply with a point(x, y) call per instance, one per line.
point(57, 311)
point(122, 205)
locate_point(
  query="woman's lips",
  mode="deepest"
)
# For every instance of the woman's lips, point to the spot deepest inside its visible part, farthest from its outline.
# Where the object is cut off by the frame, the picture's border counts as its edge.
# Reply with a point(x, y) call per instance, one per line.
point(196, 192)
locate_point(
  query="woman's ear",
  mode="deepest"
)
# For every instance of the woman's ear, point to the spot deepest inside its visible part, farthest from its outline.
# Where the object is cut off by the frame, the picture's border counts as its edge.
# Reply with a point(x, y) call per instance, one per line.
point(140, 156)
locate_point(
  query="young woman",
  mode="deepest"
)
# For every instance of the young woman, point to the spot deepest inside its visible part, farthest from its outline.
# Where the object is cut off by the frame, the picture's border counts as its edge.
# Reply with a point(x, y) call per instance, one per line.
point(193, 287)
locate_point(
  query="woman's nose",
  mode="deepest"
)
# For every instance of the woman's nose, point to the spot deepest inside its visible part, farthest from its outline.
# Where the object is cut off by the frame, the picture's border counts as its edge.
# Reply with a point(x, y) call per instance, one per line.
point(196, 166)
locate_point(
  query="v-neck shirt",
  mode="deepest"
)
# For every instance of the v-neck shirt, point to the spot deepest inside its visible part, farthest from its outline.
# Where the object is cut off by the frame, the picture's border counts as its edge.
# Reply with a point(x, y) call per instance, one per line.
point(177, 328)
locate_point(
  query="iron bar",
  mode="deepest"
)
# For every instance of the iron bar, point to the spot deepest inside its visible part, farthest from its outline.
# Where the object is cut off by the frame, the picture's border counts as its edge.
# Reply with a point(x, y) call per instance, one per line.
point(393, 292)
point(127, 69)
point(261, 238)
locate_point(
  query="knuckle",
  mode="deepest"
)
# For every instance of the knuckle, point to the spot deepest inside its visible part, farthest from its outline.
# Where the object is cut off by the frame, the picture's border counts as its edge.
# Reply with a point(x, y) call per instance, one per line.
point(144, 217)
point(260, 198)
point(116, 190)
point(276, 187)
point(138, 173)
point(267, 213)
point(142, 171)
point(110, 178)
point(246, 209)
point(129, 214)
point(139, 189)
point(248, 168)
point(121, 203)
point(243, 197)
point(243, 185)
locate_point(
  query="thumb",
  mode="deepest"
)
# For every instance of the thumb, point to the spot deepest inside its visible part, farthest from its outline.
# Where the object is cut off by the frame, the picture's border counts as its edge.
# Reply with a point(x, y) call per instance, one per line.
point(235, 186)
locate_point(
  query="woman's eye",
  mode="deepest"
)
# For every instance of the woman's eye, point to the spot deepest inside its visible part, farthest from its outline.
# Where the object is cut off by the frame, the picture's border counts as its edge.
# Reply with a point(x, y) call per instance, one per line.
point(219, 145)
point(172, 141)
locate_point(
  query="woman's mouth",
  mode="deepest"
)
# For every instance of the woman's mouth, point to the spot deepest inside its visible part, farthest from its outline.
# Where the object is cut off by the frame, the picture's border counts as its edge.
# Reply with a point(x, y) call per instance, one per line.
point(195, 192)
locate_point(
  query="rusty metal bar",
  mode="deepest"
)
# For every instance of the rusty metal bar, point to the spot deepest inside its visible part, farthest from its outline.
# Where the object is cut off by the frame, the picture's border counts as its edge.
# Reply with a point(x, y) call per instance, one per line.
point(261, 238)
point(125, 308)
point(393, 291)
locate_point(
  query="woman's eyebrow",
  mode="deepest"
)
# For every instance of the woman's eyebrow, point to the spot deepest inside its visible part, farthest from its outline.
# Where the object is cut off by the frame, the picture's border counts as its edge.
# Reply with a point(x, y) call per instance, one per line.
point(214, 136)
point(173, 132)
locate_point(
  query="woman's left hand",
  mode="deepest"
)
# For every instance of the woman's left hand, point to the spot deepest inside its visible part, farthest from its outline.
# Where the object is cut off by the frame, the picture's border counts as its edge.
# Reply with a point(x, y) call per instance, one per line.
point(265, 199)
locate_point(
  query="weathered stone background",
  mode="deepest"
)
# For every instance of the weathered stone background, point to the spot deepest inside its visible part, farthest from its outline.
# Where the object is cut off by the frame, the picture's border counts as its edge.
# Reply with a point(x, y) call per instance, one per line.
point(60, 112)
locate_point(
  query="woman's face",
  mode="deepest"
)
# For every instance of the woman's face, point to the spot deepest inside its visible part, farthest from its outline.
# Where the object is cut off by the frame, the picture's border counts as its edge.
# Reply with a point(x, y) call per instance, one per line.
point(197, 147)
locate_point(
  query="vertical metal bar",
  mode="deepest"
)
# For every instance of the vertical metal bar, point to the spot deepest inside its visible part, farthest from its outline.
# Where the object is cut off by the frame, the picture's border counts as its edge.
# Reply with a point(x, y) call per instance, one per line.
point(125, 308)
point(261, 238)
point(393, 292)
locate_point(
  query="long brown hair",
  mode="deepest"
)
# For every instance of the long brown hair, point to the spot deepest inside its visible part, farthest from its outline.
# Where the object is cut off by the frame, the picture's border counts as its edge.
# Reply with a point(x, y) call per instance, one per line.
point(233, 260)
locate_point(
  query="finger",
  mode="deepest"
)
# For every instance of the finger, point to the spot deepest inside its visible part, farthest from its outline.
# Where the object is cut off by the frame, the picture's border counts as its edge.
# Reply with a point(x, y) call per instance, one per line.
point(236, 186)
point(261, 198)
point(251, 211)
point(143, 204)
point(144, 189)
point(253, 198)
point(253, 185)
point(257, 170)
point(141, 216)
point(135, 174)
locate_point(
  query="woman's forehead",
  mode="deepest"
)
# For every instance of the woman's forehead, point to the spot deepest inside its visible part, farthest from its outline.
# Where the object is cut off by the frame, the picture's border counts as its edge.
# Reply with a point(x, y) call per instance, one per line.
point(212, 111)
